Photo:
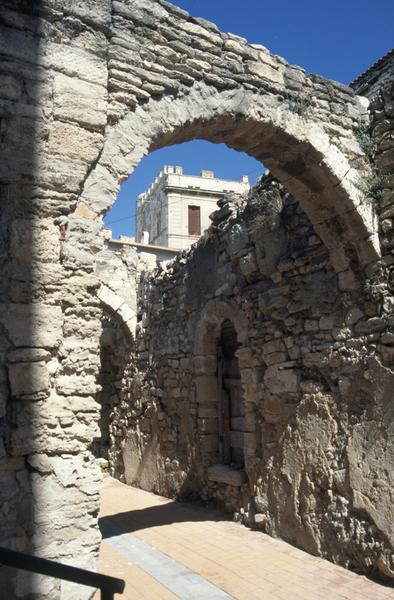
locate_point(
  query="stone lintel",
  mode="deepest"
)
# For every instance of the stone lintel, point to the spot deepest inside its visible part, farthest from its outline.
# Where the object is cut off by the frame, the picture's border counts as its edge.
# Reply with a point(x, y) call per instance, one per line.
point(227, 475)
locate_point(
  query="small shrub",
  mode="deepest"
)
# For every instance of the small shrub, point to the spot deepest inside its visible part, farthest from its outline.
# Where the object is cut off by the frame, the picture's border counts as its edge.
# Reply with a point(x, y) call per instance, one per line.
point(372, 186)
point(300, 105)
point(330, 89)
point(366, 141)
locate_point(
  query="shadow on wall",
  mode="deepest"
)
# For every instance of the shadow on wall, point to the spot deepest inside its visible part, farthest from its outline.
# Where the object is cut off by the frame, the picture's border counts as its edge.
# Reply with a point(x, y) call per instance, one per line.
point(115, 348)
point(108, 396)
point(24, 381)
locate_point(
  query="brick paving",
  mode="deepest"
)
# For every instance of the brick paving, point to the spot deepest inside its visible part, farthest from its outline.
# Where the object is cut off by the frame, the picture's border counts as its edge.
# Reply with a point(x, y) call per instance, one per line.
point(192, 553)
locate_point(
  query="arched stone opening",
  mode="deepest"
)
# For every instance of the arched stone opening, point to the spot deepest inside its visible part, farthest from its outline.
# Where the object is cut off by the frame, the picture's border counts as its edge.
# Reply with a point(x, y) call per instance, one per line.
point(117, 305)
point(115, 374)
point(326, 179)
point(90, 134)
point(231, 410)
point(225, 419)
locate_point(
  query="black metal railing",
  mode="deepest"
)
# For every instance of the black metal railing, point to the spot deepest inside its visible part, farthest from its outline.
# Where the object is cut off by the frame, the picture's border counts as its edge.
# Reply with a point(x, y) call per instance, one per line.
point(106, 584)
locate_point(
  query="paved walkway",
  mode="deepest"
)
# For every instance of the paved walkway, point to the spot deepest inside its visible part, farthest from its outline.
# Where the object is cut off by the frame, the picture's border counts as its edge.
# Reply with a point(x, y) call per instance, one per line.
point(166, 551)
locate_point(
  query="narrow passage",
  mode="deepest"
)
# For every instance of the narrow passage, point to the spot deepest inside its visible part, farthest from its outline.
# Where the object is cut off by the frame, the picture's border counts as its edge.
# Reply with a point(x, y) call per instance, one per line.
point(167, 550)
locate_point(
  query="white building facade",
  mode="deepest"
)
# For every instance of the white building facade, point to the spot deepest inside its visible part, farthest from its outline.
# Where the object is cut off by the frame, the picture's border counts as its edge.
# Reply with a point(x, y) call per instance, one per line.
point(174, 211)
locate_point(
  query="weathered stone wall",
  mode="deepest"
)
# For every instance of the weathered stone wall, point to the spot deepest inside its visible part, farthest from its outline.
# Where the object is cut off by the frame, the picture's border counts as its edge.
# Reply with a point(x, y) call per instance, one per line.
point(87, 89)
point(377, 79)
point(49, 312)
point(377, 84)
point(318, 419)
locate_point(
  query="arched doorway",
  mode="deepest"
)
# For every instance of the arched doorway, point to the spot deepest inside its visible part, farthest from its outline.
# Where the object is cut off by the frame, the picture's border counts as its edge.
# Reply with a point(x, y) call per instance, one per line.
point(219, 335)
point(231, 410)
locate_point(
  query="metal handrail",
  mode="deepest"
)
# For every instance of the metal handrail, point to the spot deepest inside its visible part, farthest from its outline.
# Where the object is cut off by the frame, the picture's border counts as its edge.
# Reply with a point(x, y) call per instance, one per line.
point(106, 584)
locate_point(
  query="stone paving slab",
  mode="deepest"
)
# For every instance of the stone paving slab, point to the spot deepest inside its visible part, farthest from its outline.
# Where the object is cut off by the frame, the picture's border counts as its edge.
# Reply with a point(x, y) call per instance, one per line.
point(167, 550)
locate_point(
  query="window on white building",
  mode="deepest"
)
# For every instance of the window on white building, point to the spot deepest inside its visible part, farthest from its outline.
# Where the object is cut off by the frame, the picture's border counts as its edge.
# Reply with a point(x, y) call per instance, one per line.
point(194, 220)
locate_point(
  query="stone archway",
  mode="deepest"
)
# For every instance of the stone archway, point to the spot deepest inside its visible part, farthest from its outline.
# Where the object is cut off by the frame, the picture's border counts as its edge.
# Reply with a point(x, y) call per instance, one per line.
point(104, 88)
point(299, 151)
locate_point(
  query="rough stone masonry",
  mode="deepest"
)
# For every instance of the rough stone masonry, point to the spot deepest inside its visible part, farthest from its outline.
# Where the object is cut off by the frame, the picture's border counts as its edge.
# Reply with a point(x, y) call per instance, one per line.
point(89, 88)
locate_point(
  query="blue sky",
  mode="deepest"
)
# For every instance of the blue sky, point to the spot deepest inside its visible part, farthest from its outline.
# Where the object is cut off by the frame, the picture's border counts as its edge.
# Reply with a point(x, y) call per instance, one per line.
point(337, 39)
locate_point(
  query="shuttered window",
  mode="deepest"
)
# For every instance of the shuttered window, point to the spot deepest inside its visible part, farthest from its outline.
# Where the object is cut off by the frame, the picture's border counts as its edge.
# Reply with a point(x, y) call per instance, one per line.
point(194, 220)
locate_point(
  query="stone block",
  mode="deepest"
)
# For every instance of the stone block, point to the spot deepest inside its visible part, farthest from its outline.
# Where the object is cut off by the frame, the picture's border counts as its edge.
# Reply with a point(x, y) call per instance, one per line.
point(353, 316)
point(249, 422)
point(100, 198)
point(224, 474)
point(248, 265)
point(48, 419)
point(203, 365)
point(368, 251)
point(110, 298)
point(272, 346)
point(281, 380)
point(237, 439)
point(243, 49)
point(28, 378)
point(326, 323)
point(244, 354)
point(206, 412)
point(387, 353)
point(260, 519)
point(265, 71)
point(3, 399)
point(237, 423)
point(311, 325)
point(310, 386)
point(275, 358)
point(347, 281)
point(79, 101)
point(387, 338)
point(131, 325)
point(274, 298)
point(206, 389)
point(81, 385)
point(71, 141)
point(41, 463)
point(11, 88)
point(373, 325)
point(208, 425)
point(238, 240)
point(314, 359)
point(249, 439)
point(36, 324)
point(126, 313)
point(296, 307)
point(35, 239)
point(209, 444)
point(19, 45)
point(80, 65)
point(28, 355)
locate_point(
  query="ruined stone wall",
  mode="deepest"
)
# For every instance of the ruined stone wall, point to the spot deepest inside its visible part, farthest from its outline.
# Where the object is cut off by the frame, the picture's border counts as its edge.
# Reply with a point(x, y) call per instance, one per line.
point(316, 370)
point(88, 88)
point(53, 89)
point(377, 84)
point(377, 79)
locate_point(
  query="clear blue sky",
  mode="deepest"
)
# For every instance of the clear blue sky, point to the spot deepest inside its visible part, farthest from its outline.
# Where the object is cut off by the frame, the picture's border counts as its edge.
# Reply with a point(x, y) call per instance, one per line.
point(337, 39)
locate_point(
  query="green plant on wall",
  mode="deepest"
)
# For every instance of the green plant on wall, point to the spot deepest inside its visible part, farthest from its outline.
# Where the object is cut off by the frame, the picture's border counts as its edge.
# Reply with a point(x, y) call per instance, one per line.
point(372, 186)
point(330, 90)
point(300, 105)
point(366, 140)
